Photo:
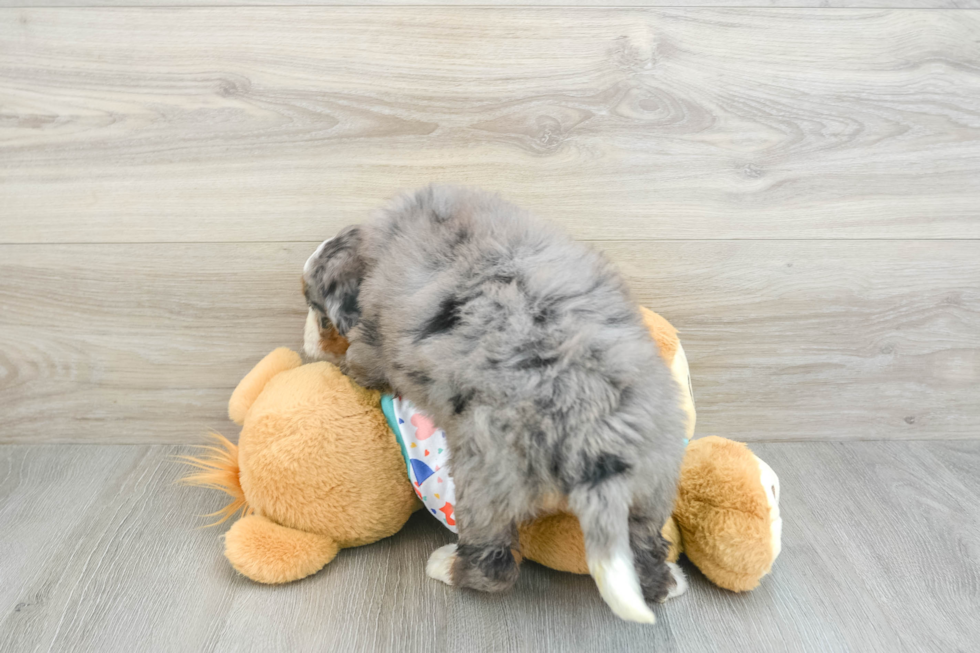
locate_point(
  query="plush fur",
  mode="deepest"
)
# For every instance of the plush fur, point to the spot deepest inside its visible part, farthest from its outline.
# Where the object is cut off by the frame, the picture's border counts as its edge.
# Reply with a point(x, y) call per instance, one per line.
point(524, 346)
point(729, 521)
point(556, 539)
point(218, 470)
point(316, 469)
point(721, 484)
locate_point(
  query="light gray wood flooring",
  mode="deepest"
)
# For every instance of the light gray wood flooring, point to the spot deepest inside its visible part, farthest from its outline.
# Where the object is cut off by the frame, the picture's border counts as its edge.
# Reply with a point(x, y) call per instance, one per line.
point(100, 551)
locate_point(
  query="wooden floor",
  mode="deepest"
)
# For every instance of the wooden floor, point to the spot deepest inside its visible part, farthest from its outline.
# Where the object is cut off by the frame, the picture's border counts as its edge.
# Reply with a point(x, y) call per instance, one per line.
point(99, 551)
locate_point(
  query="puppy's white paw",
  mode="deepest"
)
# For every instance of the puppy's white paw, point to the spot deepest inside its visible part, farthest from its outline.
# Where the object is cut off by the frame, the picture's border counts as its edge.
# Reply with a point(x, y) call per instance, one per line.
point(440, 564)
point(681, 579)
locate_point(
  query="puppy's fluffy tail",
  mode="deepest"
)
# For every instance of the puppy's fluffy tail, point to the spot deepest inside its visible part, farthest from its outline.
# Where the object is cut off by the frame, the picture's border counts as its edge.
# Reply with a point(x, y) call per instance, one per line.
point(603, 513)
point(218, 469)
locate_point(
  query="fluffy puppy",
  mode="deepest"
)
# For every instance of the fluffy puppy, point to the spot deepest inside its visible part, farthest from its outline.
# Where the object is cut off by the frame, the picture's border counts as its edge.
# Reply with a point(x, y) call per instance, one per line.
point(525, 347)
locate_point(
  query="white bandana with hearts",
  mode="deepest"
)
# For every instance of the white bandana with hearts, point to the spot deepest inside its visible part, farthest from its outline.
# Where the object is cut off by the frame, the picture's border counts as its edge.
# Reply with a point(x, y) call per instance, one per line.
point(426, 457)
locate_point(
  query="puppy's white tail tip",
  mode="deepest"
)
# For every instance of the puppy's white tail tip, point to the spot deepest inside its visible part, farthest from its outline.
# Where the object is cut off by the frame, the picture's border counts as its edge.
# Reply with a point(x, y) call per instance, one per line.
point(620, 588)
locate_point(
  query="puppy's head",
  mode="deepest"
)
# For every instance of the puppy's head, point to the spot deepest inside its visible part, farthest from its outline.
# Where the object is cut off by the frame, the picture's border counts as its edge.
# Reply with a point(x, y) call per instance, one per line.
point(321, 340)
point(331, 283)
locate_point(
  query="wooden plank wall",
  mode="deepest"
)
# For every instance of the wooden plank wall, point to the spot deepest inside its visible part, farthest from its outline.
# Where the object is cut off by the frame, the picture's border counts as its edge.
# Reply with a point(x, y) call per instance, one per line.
point(797, 189)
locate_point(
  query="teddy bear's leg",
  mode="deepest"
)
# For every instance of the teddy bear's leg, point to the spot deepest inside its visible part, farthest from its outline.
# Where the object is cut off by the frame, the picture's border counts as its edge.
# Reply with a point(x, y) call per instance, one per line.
point(269, 553)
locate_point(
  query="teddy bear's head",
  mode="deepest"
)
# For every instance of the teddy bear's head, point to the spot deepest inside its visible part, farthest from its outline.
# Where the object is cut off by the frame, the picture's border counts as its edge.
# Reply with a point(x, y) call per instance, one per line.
point(315, 452)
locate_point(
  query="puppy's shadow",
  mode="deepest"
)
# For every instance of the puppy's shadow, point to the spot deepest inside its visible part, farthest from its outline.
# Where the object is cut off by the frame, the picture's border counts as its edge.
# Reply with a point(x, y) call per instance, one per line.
point(545, 610)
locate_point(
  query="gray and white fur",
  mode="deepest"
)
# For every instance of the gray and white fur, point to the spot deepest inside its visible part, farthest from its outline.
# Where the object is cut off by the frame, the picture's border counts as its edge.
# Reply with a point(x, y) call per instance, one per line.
point(524, 346)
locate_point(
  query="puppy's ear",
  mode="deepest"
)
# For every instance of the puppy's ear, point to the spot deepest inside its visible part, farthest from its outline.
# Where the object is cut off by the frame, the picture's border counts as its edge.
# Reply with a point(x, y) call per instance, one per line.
point(333, 276)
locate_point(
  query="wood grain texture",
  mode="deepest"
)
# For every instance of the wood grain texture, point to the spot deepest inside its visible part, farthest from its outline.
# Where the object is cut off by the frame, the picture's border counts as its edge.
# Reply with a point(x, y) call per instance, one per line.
point(138, 343)
point(825, 4)
point(879, 554)
point(281, 124)
point(821, 340)
point(787, 340)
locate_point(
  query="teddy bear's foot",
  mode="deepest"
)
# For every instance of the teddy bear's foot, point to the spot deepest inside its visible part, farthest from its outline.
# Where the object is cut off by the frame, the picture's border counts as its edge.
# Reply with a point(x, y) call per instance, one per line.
point(267, 552)
point(440, 564)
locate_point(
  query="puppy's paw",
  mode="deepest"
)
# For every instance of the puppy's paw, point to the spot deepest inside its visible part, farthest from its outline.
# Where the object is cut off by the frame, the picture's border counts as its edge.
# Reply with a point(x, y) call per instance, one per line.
point(680, 581)
point(440, 564)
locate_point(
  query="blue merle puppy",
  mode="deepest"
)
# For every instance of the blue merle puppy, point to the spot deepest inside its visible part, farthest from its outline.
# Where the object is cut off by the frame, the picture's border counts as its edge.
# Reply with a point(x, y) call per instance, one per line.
point(525, 348)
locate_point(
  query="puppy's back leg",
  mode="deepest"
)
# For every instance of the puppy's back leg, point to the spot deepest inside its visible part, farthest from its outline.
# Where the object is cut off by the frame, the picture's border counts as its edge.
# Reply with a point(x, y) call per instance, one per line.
point(483, 558)
point(603, 512)
point(659, 579)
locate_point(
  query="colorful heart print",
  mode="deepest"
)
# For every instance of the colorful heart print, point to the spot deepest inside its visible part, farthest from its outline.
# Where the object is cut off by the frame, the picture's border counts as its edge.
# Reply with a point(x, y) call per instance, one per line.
point(424, 428)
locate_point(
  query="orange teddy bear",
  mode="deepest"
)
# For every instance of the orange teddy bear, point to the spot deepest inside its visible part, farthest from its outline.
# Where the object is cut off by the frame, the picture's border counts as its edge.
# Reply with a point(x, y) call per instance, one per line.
point(317, 469)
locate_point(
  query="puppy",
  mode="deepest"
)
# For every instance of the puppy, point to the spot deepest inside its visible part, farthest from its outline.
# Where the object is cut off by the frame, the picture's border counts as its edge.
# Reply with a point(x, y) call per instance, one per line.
point(524, 346)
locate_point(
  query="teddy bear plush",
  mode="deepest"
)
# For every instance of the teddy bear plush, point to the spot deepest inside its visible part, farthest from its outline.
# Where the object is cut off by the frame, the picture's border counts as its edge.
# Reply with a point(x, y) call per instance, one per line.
point(318, 469)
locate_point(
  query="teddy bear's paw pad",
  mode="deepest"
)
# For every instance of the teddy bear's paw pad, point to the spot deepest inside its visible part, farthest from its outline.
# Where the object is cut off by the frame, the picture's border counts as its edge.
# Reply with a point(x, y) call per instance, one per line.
point(680, 578)
point(440, 564)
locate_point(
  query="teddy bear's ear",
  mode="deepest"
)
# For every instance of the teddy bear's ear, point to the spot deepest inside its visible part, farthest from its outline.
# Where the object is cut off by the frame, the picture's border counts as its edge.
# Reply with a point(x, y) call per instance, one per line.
point(251, 386)
point(663, 333)
point(669, 345)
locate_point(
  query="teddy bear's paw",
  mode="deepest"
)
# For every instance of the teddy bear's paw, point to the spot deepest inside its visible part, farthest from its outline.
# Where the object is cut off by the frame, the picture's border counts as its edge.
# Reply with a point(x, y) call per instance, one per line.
point(440, 564)
point(681, 581)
